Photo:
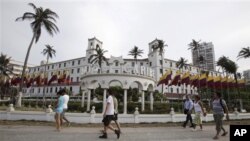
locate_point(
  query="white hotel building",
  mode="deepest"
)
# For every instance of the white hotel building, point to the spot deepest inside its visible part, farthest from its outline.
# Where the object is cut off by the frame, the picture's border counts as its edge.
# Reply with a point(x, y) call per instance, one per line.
point(125, 72)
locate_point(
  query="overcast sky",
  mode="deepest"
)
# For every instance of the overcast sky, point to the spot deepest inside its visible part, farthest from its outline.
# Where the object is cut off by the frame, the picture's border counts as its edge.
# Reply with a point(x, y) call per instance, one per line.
point(121, 24)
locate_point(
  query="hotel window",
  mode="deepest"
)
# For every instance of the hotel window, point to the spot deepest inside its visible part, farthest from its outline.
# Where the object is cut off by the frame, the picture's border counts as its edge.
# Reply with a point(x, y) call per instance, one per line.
point(59, 65)
point(64, 64)
point(77, 79)
point(171, 64)
point(133, 64)
point(91, 43)
point(51, 89)
point(191, 91)
point(141, 63)
point(160, 62)
point(34, 69)
point(56, 90)
point(177, 90)
point(51, 73)
point(161, 71)
point(186, 91)
point(116, 71)
point(78, 70)
point(73, 62)
point(79, 61)
point(38, 90)
point(116, 63)
point(150, 64)
point(47, 90)
point(171, 90)
point(38, 69)
point(72, 71)
point(71, 79)
point(70, 89)
point(52, 66)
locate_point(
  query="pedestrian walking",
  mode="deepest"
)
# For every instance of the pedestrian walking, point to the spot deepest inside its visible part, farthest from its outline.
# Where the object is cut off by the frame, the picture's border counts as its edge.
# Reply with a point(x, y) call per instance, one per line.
point(219, 107)
point(188, 106)
point(199, 111)
point(108, 116)
point(59, 110)
point(65, 107)
point(116, 113)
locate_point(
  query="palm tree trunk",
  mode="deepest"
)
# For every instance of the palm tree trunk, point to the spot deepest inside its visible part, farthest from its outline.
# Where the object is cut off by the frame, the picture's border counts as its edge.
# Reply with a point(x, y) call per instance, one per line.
point(44, 99)
point(19, 104)
point(162, 72)
point(238, 90)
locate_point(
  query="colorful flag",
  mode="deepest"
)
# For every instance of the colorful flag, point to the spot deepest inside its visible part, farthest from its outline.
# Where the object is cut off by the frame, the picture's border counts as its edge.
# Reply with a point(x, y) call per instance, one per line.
point(210, 82)
point(217, 82)
point(53, 78)
point(186, 78)
point(177, 78)
point(168, 77)
point(195, 80)
point(203, 80)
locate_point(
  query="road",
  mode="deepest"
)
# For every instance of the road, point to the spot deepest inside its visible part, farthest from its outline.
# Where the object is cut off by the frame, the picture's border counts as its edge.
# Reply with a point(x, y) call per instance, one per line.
point(48, 133)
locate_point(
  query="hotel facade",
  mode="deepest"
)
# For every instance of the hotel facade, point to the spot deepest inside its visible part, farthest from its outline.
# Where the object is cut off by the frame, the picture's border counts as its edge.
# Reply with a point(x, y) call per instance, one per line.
point(84, 77)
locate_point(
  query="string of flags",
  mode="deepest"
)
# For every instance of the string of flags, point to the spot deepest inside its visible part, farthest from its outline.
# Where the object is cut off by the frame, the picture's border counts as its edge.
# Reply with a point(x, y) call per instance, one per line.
point(202, 80)
point(40, 79)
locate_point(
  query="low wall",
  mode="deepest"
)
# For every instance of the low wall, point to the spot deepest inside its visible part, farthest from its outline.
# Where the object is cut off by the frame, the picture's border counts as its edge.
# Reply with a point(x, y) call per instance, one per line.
point(97, 118)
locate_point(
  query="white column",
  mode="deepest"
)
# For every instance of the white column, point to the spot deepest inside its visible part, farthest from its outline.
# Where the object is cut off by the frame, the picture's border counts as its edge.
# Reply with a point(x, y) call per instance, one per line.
point(83, 98)
point(142, 101)
point(151, 101)
point(104, 100)
point(88, 104)
point(125, 102)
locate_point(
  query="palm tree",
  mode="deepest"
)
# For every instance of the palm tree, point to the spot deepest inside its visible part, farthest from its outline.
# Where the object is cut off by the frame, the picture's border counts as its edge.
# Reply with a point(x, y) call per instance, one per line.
point(160, 45)
point(5, 69)
point(50, 52)
point(194, 45)
point(98, 57)
point(135, 52)
point(41, 18)
point(244, 53)
point(181, 63)
point(229, 67)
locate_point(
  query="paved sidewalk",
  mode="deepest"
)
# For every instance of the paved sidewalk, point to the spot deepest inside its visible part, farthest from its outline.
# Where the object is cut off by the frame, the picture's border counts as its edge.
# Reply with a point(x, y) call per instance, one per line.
point(48, 133)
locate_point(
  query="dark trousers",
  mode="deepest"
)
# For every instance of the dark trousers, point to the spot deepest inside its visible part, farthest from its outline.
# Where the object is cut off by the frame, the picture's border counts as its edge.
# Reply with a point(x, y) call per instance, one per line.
point(188, 118)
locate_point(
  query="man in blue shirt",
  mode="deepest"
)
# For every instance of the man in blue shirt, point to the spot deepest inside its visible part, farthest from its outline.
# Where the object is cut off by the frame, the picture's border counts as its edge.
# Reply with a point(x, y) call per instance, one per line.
point(188, 106)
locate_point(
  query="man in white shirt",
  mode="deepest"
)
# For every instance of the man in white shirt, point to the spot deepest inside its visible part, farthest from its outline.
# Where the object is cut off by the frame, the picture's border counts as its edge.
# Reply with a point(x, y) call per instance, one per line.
point(65, 106)
point(108, 116)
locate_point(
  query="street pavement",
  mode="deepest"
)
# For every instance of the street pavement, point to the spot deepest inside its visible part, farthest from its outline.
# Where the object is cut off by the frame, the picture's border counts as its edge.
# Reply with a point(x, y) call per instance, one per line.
point(48, 133)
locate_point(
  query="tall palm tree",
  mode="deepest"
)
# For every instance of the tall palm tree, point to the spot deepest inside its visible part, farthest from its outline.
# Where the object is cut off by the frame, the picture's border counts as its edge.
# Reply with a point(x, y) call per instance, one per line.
point(194, 46)
point(229, 67)
point(98, 57)
point(41, 18)
point(244, 53)
point(160, 45)
point(50, 52)
point(135, 52)
point(180, 64)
